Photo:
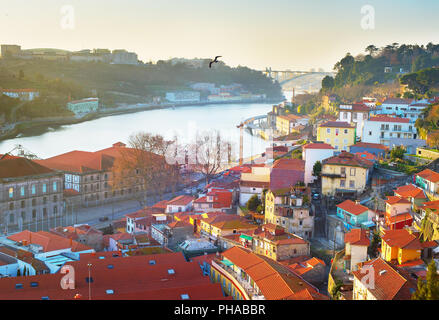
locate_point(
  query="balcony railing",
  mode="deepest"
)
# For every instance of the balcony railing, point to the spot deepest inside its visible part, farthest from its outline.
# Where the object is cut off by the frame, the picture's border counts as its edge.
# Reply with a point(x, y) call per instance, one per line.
point(243, 283)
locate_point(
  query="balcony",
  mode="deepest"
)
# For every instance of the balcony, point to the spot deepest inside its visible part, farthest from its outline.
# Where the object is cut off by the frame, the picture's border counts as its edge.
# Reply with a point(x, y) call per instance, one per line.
point(242, 283)
point(334, 175)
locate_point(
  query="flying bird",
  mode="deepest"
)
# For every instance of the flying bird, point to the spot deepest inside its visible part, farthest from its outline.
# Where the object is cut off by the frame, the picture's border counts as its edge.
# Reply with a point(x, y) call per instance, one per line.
point(214, 61)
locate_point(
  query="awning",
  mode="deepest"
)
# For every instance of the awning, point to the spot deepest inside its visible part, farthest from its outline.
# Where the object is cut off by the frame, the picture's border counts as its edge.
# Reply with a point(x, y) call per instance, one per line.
point(227, 262)
point(246, 237)
point(368, 224)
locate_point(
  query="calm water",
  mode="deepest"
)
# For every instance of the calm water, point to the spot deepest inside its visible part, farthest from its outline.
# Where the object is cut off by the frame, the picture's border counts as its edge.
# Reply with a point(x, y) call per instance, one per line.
point(184, 121)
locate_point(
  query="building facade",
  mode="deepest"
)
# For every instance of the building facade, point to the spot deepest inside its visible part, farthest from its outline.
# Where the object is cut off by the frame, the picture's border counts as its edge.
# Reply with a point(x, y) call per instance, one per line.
point(338, 134)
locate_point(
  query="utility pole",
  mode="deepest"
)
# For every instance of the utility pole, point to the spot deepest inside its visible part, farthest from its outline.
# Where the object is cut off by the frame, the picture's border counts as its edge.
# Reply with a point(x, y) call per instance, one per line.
point(89, 281)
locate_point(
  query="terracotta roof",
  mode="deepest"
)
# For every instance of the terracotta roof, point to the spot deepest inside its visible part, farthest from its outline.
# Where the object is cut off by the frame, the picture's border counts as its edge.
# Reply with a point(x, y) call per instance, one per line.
point(357, 237)
point(48, 241)
point(410, 191)
point(366, 155)
point(84, 161)
point(179, 224)
point(429, 175)
point(399, 218)
point(254, 184)
point(275, 284)
point(21, 167)
point(130, 278)
point(289, 164)
point(318, 146)
point(348, 159)
point(389, 283)
point(370, 145)
point(336, 124)
point(352, 207)
point(182, 200)
point(386, 118)
point(395, 199)
point(401, 238)
point(357, 107)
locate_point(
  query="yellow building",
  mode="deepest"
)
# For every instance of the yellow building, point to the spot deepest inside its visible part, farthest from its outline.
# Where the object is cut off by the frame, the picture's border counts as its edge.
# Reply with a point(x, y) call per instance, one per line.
point(223, 224)
point(345, 174)
point(401, 246)
point(338, 134)
point(273, 242)
point(285, 124)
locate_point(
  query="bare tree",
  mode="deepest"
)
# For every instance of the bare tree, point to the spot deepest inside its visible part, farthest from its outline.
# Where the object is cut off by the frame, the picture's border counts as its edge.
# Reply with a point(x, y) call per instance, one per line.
point(209, 153)
point(142, 167)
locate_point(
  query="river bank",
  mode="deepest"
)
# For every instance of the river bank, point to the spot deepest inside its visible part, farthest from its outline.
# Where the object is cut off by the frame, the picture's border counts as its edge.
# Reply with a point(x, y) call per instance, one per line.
point(42, 125)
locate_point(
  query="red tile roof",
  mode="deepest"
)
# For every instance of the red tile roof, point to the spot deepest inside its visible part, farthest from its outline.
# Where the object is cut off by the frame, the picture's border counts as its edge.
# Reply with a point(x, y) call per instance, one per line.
point(132, 278)
point(348, 159)
point(182, 200)
point(17, 167)
point(429, 175)
point(318, 146)
point(395, 199)
point(401, 238)
point(389, 284)
point(410, 191)
point(336, 124)
point(407, 217)
point(370, 145)
point(386, 118)
point(48, 241)
point(352, 207)
point(275, 281)
point(357, 237)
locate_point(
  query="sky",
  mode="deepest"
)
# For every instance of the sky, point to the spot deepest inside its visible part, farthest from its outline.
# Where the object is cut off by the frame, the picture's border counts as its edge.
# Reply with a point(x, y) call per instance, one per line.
point(281, 34)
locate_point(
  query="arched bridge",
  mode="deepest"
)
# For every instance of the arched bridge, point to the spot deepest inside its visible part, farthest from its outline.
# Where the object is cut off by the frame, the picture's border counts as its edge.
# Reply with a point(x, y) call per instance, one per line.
point(283, 77)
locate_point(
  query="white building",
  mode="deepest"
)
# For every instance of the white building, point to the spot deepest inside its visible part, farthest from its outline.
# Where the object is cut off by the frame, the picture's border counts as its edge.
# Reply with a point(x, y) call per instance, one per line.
point(380, 129)
point(312, 153)
point(22, 94)
point(406, 108)
point(180, 204)
point(79, 107)
point(354, 114)
point(183, 96)
point(124, 57)
point(253, 183)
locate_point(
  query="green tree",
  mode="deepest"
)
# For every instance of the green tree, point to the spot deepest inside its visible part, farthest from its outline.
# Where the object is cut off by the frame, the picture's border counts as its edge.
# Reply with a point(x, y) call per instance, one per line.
point(317, 169)
point(428, 289)
point(372, 249)
point(328, 83)
point(397, 153)
point(253, 203)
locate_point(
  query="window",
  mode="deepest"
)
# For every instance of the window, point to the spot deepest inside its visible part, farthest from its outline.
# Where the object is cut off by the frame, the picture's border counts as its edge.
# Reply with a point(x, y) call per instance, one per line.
point(44, 200)
point(11, 206)
point(354, 116)
point(370, 133)
point(336, 132)
point(33, 189)
point(89, 279)
point(23, 204)
point(19, 286)
point(352, 184)
point(22, 191)
point(152, 262)
point(34, 214)
point(55, 210)
point(342, 183)
point(44, 212)
point(11, 192)
point(109, 291)
point(343, 170)
point(55, 198)
point(54, 185)
point(353, 171)
point(11, 218)
point(34, 284)
point(110, 266)
point(328, 130)
point(171, 271)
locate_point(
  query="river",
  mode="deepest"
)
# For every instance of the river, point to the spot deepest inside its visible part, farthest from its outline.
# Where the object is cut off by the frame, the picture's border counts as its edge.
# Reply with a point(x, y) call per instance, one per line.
point(184, 121)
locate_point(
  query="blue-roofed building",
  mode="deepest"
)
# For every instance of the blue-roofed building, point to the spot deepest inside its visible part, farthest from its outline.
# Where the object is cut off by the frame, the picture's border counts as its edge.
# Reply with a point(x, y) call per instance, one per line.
point(376, 149)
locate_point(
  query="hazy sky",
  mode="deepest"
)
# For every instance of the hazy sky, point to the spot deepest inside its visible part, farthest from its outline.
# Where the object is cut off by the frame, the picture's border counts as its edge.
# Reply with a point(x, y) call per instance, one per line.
point(283, 34)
